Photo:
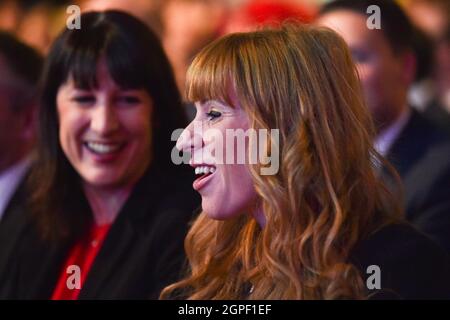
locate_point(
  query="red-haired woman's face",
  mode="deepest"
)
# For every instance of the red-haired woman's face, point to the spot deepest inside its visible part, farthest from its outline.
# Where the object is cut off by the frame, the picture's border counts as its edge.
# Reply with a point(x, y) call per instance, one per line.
point(224, 182)
point(105, 132)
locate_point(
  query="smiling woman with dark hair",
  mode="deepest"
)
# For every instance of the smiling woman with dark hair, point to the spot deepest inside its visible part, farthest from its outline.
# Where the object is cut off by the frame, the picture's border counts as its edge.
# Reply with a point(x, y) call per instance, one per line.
point(109, 210)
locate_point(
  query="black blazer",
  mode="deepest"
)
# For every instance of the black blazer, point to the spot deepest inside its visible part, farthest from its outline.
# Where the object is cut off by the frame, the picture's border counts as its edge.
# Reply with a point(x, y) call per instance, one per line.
point(421, 155)
point(10, 229)
point(15, 204)
point(412, 266)
point(142, 253)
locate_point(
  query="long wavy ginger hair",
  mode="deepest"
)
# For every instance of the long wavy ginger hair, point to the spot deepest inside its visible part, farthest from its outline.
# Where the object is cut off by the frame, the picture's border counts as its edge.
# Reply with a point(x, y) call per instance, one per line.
point(326, 195)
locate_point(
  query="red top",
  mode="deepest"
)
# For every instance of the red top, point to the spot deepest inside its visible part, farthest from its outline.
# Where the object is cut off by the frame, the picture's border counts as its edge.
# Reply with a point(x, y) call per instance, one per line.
point(78, 264)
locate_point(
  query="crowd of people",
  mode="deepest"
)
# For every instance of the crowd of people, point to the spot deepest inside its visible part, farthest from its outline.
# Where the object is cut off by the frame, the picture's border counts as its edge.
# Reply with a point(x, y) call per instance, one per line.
point(257, 149)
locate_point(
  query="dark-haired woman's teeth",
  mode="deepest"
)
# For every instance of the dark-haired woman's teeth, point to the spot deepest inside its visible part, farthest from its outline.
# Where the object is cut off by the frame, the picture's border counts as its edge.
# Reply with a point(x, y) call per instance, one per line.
point(102, 148)
point(204, 170)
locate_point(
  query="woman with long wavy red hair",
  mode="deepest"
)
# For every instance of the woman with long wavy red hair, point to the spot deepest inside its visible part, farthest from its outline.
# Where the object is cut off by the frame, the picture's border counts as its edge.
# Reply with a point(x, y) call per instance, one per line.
point(310, 229)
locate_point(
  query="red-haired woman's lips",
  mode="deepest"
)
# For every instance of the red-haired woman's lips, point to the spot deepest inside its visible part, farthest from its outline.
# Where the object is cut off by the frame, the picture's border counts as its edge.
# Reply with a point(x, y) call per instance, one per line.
point(206, 172)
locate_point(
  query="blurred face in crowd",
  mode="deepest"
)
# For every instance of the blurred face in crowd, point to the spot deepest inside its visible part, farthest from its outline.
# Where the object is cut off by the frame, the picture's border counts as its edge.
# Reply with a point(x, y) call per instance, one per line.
point(226, 189)
point(428, 16)
point(188, 27)
point(105, 132)
point(15, 126)
point(382, 72)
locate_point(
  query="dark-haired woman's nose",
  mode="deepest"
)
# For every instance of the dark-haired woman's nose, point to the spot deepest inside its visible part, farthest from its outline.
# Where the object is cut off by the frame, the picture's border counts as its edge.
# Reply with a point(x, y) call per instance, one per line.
point(105, 119)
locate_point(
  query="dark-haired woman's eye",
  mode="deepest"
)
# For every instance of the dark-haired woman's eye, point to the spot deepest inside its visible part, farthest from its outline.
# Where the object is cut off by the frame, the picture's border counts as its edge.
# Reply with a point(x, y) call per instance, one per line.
point(213, 114)
point(129, 99)
point(84, 99)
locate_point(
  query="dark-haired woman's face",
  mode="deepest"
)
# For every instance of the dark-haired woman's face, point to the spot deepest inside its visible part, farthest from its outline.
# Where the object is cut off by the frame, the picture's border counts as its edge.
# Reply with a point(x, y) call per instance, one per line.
point(105, 132)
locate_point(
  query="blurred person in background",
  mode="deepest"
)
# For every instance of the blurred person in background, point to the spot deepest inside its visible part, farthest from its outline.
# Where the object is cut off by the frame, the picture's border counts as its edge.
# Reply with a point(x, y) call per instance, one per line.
point(433, 17)
point(418, 149)
point(422, 93)
point(20, 68)
point(10, 11)
point(189, 25)
point(34, 22)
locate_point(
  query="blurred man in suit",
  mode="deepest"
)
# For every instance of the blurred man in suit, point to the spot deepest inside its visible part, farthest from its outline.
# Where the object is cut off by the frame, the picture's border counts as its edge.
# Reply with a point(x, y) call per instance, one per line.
point(386, 63)
point(20, 68)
